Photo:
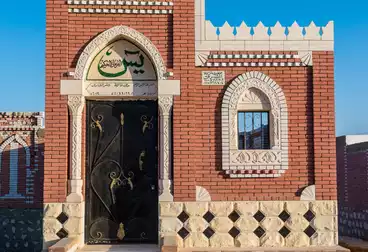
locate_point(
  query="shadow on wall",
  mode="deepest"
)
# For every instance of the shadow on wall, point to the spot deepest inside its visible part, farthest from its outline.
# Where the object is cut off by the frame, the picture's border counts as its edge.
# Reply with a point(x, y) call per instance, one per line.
point(21, 196)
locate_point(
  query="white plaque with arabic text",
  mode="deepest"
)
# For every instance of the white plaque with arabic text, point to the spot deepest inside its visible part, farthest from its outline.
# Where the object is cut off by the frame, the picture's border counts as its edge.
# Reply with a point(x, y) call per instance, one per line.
point(122, 88)
point(213, 77)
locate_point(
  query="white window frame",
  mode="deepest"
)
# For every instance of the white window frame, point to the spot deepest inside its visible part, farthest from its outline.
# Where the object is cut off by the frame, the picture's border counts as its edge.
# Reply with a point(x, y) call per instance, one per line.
point(266, 94)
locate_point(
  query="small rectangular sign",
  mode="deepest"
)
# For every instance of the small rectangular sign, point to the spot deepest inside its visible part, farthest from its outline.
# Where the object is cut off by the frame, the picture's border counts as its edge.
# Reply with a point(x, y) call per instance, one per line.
point(122, 88)
point(213, 77)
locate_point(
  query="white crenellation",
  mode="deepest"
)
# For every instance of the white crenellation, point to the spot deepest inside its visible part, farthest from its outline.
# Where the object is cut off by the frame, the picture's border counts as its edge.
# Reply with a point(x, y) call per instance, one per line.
point(260, 38)
point(261, 33)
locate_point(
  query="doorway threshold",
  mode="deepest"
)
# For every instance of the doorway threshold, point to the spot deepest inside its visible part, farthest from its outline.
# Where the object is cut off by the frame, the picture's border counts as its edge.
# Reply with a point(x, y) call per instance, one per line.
point(121, 248)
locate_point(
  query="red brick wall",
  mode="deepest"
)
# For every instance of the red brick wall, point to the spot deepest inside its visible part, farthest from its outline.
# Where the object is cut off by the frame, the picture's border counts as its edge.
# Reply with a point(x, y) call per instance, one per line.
point(197, 119)
point(22, 126)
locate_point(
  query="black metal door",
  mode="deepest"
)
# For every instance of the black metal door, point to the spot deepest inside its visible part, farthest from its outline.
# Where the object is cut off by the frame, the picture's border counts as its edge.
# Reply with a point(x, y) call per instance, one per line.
point(121, 179)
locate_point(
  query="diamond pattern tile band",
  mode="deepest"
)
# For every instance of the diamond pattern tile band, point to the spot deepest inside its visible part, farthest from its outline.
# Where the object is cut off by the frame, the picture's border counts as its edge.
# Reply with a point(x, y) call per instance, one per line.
point(265, 223)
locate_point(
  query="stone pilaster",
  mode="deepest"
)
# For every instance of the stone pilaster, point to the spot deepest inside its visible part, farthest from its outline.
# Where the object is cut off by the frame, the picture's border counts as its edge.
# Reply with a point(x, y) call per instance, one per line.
point(75, 183)
point(165, 105)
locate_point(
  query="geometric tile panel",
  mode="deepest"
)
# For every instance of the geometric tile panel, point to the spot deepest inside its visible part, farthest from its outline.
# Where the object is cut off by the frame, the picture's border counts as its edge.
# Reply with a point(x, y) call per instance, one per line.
point(259, 216)
point(62, 233)
point(309, 215)
point(259, 232)
point(234, 232)
point(209, 232)
point(208, 216)
point(276, 223)
point(62, 218)
point(309, 231)
point(284, 231)
point(284, 216)
point(183, 233)
point(183, 217)
point(234, 216)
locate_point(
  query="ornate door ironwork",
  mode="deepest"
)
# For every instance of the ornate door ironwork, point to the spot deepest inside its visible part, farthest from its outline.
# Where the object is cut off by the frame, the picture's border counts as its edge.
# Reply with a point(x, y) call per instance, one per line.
point(122, 175)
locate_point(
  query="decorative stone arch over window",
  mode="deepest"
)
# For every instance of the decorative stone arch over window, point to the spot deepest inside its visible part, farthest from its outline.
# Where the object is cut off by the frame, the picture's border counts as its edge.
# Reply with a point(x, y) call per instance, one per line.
point(254, 91)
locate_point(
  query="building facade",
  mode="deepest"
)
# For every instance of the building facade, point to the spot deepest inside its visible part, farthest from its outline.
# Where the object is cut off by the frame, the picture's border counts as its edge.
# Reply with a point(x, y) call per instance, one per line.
point(352, 180)
point(164, 129)
point(21, 180)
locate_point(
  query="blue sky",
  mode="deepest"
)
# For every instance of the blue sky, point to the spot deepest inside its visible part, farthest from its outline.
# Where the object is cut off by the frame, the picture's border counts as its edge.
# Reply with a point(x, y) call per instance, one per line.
point(23, 40)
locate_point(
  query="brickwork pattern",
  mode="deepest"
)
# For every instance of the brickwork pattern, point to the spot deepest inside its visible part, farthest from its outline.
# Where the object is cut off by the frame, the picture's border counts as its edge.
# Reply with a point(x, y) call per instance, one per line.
point(21, 160)
point(197, 118)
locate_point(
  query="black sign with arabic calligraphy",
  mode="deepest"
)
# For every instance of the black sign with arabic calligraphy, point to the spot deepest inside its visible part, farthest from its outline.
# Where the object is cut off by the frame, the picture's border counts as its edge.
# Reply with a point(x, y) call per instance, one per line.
point(121, 60)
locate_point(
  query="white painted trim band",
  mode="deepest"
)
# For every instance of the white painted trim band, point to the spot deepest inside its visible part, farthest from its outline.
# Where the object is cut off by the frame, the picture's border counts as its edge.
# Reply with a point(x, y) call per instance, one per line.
point(253, 56)
point(122, 3)
point(254, 64)
point(119, 11)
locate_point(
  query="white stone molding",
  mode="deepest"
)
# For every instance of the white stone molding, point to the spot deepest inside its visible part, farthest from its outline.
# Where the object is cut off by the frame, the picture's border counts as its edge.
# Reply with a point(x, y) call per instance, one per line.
point(207, 37)
point(165, 106)
point(254, 91)
point(119, 11)
point(309, 193)
point(202, 195)
point(76, 106)
point(306, 58)
point(112, 34)
point(14, 141)
point(253, 64)
point(201, 58)
point(119, 3)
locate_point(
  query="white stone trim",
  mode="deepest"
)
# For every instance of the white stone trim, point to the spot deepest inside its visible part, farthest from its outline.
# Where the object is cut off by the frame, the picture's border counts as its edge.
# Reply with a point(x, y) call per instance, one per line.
point(122, 3)
point(112, 34)
point(165, 104)
point(323, 222)
point(253, 56)
point(306, 57)
point(254, 163)
point(203, 57)
point(202, 194)
point(206, 38)
point(254, 64)
point(119, 11)
point(309, 193)
point(76, 106)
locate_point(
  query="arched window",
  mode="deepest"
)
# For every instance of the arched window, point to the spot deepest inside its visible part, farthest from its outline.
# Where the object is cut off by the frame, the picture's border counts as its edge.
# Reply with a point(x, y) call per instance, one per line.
point(254, 127)
point(16, 142)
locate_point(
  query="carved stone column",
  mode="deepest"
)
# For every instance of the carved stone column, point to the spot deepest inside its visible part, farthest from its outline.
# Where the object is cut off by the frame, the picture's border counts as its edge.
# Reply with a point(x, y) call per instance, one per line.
point(75, 182)
point(165, 103)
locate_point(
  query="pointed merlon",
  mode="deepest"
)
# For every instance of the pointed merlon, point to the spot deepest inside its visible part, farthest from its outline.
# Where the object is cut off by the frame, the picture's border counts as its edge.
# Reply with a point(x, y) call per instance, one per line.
point(312, 32)
point(328, 31)
point(226, 32)
point(260, 32)
point(278, 32)
point(243, 32)
point(295, 32)
point(211, 31)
